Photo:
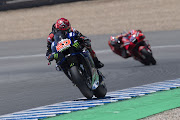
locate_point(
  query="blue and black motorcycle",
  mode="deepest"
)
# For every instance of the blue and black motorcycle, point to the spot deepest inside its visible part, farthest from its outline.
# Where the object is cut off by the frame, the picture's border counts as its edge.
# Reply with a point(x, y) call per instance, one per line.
point(76, 62)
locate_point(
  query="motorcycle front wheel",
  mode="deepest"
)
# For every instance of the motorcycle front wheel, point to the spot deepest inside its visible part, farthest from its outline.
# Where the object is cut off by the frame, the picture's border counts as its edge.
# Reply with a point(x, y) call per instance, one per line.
point(149, 59)
point(101, 91)
point(78, 79)
point(146, 57)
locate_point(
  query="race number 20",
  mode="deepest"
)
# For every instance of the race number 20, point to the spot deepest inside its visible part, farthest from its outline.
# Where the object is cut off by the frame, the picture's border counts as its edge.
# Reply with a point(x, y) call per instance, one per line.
point(63, 44)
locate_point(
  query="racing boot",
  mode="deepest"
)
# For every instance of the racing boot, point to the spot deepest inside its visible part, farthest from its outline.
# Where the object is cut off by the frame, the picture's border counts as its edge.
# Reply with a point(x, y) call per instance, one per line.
point(98, 64)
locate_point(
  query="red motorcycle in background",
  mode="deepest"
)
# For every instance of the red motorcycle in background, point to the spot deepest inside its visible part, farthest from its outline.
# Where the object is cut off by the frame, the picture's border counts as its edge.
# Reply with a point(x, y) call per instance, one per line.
point(135, 46)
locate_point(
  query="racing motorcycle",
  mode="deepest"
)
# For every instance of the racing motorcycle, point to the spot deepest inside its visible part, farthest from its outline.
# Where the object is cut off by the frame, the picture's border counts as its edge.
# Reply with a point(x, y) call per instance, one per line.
point(138, 48)
point(77, 64)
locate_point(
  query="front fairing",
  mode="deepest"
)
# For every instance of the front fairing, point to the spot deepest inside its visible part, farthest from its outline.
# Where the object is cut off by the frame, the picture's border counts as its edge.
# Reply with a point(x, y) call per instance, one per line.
point(126, 42)
point(63, 40)
point(59, 36)
point(95, 79)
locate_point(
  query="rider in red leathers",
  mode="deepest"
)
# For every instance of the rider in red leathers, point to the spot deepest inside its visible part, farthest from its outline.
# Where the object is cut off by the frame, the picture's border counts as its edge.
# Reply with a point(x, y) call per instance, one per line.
point(119, 43)
point(64, 26)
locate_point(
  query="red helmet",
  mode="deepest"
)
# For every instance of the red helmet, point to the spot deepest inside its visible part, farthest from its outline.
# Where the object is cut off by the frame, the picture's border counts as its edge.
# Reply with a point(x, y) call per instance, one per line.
point(63, 24)
point(133, 32)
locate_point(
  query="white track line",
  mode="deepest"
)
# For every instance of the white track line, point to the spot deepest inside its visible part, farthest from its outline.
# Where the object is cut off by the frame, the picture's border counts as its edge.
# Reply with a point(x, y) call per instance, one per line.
point(97, 52)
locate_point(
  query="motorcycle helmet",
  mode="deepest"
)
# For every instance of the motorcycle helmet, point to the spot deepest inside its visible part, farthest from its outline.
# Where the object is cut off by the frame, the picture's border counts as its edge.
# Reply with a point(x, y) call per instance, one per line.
point(133, 32)
point(63, 24)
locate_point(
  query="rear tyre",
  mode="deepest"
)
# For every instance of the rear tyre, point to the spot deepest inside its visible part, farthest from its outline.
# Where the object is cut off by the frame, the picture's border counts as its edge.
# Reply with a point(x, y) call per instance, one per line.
point(78, 79)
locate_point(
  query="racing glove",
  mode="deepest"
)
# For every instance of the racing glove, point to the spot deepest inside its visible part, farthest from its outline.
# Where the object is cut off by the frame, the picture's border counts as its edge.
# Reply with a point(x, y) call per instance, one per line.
point(50, 57)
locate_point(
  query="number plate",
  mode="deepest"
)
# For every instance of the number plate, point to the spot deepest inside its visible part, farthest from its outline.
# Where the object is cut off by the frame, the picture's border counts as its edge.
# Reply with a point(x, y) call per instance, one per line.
point(63, 44)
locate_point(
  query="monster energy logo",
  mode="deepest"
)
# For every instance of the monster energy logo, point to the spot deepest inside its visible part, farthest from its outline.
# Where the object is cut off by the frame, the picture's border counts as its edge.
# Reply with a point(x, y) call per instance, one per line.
point(76, 45)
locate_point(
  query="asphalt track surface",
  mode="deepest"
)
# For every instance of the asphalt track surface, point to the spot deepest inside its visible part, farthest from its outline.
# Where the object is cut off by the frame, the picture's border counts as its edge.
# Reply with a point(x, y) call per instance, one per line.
point(26, 81)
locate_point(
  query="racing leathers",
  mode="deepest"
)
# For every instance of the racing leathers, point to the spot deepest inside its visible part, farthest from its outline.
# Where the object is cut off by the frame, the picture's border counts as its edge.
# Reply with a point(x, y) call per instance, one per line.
point(82, 39)
point(119, 44)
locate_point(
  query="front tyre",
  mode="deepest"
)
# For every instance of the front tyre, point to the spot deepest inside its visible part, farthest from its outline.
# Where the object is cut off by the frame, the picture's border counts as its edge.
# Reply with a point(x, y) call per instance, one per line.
point(147, 57)
point(78, 79)
point(153, 61)
point(101, 91)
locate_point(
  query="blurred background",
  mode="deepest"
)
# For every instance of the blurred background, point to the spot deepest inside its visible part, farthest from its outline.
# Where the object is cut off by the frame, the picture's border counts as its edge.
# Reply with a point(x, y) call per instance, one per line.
point(91, 17)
